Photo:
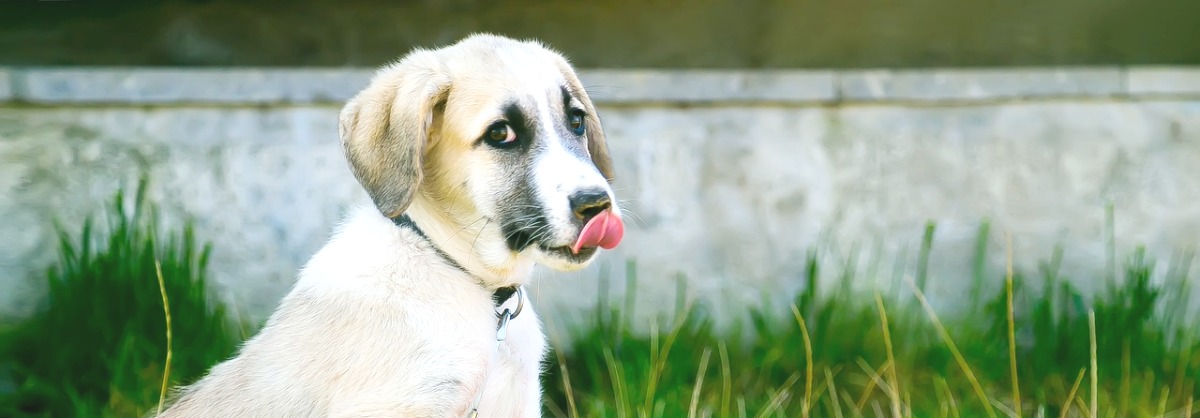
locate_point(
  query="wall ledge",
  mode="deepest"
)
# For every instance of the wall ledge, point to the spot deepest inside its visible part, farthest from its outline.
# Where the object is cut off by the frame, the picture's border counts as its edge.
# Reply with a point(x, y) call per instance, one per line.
point(258, 86)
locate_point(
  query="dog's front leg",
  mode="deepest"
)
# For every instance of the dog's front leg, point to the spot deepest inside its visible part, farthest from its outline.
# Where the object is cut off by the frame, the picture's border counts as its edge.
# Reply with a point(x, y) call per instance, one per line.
point(421, 398)
point(386, 406)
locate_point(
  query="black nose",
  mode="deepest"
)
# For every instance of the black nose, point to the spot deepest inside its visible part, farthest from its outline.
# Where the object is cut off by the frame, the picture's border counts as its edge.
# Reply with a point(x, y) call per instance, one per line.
point(586, 204)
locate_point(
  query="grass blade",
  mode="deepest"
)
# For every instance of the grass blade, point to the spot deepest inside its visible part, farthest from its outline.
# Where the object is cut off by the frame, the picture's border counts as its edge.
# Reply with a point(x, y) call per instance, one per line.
point(891, 358)
point(162, 289)
point(1071, 395)
point(958, 357)
point(566, 381)
point(837, 405)
point(727, 388)
point(808, 362)
point(699, 383)
point(1095, 376)
point(1012, 327)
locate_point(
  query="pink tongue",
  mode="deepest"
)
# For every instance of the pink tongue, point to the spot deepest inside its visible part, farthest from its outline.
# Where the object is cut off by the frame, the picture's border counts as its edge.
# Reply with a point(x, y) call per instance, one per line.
point(604, 230)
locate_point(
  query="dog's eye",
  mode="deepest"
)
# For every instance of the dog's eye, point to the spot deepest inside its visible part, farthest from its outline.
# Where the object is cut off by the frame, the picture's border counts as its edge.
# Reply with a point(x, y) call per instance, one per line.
point(500, 135)
point(575, 120)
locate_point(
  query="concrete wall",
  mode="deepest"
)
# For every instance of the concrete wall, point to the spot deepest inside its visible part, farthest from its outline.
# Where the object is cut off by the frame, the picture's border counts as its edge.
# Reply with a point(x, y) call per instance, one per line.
point(730, 177)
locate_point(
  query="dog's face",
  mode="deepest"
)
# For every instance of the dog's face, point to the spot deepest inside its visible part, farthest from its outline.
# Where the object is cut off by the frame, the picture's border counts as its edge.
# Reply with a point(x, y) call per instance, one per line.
point(499, 138)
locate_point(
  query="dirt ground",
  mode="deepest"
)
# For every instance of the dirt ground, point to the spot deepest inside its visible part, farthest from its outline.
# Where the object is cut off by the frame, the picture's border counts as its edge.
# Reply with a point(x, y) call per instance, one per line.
point(613, 34)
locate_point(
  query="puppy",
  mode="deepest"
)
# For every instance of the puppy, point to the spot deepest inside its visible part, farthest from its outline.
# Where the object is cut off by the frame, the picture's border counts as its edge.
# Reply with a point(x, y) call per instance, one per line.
point(481, 158)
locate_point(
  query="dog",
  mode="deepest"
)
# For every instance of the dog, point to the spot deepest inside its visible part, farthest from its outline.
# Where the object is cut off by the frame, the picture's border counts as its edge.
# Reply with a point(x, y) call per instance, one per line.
point(482, 159)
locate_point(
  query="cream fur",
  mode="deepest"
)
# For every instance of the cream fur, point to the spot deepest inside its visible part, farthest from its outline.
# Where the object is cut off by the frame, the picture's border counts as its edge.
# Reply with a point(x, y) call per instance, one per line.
point(378, 324)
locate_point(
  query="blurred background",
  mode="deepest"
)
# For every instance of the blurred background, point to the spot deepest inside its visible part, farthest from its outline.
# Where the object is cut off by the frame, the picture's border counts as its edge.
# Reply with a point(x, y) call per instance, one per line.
point(884, 141)
point(607, 34)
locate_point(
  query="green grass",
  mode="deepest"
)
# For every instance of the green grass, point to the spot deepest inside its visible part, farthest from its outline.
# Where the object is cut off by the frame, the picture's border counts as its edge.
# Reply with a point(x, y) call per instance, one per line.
point(1146, 348)
point(97, 348)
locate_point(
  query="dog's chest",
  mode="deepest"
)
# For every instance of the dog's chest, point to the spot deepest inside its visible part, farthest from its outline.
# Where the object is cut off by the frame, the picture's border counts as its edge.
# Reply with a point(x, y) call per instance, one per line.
point(512, 387)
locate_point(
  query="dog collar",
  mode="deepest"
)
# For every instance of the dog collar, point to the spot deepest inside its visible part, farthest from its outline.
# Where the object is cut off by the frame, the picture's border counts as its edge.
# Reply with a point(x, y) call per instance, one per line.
point(503, 294)
point(499, 297)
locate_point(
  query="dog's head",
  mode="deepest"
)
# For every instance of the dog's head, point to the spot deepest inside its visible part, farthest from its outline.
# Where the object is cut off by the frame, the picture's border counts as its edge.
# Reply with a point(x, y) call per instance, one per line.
point(492, 135)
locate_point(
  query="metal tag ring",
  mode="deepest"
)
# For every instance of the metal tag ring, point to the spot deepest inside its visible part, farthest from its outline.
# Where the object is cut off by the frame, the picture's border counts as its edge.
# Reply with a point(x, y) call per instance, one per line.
point(520, 303)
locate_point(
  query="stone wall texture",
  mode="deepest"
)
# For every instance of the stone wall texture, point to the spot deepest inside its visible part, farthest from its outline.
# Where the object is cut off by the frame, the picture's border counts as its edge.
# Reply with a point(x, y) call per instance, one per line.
point(729, 177)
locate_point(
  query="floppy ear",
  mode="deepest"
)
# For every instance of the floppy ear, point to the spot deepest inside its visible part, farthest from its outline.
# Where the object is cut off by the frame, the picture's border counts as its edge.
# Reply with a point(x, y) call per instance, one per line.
point(385, 127)
point(596, 145)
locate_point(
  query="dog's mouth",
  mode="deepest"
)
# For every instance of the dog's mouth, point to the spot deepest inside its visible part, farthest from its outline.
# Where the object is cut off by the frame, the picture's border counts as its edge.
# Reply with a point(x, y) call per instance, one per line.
point(565, 251)
point(520, 239)
point(604, 230)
